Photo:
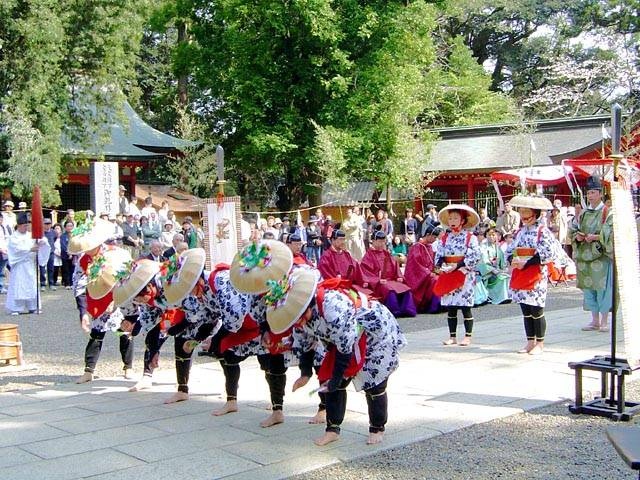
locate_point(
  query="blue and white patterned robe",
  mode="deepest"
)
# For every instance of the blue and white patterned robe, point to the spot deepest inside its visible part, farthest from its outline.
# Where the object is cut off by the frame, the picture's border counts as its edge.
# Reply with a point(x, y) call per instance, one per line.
point(339, 326)
point(548, 249)
point(455, 245)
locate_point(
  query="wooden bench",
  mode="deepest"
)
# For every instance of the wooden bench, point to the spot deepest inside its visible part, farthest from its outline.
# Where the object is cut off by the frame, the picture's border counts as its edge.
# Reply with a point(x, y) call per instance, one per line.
point(626, 441)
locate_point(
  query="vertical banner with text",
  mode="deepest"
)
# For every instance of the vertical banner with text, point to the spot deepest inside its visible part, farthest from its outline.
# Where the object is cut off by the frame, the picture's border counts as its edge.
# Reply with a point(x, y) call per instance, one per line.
point(104, 187)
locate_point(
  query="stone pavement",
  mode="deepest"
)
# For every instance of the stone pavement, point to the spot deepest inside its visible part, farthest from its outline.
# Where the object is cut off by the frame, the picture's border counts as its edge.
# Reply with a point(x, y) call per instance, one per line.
point(103, 432)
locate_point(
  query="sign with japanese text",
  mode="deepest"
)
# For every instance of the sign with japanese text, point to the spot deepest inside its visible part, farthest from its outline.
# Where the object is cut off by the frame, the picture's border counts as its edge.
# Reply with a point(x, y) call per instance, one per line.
point(104, 188)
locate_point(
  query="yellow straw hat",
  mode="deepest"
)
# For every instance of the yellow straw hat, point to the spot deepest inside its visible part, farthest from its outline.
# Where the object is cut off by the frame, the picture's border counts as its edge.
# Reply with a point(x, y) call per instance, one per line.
point(472, 217)
point(289, 298)
point(90, 234)
point(132, 279)
point(259, 262)
point(534, 202)
point(180, 274)
point(103, 269)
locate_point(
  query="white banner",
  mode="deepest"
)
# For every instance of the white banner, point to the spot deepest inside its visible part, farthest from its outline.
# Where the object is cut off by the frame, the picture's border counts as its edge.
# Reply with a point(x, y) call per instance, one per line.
point(625, 237)
point(223, 231)
point(104, 188)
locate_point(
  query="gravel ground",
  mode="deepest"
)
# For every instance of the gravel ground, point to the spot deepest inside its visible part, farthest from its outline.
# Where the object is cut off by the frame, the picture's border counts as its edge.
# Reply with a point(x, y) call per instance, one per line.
point(548, 443)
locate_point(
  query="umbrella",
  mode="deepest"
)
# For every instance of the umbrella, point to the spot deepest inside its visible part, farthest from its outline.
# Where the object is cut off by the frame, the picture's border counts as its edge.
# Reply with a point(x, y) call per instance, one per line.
point(37, 219)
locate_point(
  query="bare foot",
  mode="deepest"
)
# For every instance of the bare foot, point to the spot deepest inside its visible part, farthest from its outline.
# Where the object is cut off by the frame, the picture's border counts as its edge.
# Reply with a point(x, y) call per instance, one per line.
point(450, 341)
point(177, 397)
point(466, 341)
point(128, 374)
point(528, 347)
point(143, 384)
point(327, 438)
point(86, 377)
point(318, 418)
point(230, 407)
point(274, 419)
point(537, 350)
point(375, 438)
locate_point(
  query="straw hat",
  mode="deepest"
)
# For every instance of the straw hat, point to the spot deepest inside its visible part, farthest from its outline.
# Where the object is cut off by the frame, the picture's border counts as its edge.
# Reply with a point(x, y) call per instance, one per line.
point(289, 298)
point(180, 274)
point(472, 217)
point(132, 279)
point(534, 202)
point(259, 262)
point(103, 269)
point(89, 235)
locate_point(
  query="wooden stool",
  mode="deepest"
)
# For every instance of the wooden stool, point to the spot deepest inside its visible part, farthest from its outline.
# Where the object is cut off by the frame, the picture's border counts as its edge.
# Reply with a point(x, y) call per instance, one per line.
point(10, 344)
point(626, 441)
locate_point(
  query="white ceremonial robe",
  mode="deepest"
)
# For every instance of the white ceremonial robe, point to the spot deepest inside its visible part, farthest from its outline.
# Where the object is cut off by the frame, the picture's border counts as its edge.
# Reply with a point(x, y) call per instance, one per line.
point(23, 287)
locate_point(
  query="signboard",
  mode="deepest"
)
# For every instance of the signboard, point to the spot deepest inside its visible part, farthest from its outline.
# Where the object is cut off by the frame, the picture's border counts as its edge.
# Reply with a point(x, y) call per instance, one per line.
point(625, 238)
point(222, 227)
point(104, 188)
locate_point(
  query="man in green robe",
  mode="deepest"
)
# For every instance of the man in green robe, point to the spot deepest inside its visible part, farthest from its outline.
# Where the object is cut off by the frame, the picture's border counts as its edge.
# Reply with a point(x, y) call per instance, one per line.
point(592, 240)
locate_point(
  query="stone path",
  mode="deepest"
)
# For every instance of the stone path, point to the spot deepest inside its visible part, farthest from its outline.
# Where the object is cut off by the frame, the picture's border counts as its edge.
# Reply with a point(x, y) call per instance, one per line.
point(101, 431)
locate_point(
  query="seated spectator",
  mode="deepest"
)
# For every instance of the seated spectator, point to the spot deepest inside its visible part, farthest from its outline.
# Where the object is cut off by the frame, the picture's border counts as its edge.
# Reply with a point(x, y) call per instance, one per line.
point(382, 273)
point(493, 269)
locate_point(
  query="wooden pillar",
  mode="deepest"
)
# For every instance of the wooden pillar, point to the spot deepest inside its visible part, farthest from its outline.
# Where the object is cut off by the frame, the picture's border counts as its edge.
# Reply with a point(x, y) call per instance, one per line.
point(470, 192)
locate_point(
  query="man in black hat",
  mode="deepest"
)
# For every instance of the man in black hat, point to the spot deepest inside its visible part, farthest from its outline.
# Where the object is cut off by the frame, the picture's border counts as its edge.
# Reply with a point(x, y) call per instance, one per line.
point(337, 262)
point(592, 239)
point(418, 272)
point(46, 271)
point(22, 296)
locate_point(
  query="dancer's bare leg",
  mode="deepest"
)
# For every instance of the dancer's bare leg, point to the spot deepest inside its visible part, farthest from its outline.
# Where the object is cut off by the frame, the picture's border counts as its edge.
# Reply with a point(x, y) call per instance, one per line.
point(143, 384)
point(327, 438)
point(230, 406)
point(375, 438)
point(177, 397)
point(319, 418)
point(276, 417)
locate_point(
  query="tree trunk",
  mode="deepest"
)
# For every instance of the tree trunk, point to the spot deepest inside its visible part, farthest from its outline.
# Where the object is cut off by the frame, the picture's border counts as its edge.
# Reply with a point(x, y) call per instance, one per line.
point(182, 78)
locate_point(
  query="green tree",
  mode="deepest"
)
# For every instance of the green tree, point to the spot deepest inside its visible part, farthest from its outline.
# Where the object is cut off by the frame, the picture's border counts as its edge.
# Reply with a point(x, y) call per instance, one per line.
point(51, 52)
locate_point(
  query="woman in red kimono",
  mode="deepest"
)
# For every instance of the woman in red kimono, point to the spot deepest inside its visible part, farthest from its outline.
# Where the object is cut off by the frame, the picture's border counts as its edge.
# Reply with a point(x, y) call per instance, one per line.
point(418, 272)
point(382, 274)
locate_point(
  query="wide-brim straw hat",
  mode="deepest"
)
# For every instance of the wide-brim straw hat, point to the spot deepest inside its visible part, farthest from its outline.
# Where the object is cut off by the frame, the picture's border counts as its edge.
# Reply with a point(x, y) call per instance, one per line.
point(187, 269)
point(89, 235)
point(534, 202)
point(132, 280)
point(288, 299)
point(259, 262)
point(103, 269)
point(472, 217)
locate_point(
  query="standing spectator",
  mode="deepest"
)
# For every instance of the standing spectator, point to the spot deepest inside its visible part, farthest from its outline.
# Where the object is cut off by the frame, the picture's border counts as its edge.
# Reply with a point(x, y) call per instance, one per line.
point(163, 213)
point(133, 207)
point(177, 239)
point(149, 233)
point(509, 221)
point(71, 217)
point(557, 223)
point(9, 215)
point(46, 271)
point(167, 234)
point(432, 214)
point(155, 252)
point(314, 240)
point(123, 203)
point(485, 222)
point(189, 234)
point(67, 259)
point(172, 217)
point(408, 228)
point(57, 253)
point(22, 249)
point(148, 208)
point(131, 236)
point(5, 233)
point(592, 236)
point(353, 231)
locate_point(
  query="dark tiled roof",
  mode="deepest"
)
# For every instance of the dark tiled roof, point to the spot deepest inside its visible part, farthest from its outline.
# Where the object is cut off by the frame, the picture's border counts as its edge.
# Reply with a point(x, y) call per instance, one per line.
point(493, 147)
point(354, 193)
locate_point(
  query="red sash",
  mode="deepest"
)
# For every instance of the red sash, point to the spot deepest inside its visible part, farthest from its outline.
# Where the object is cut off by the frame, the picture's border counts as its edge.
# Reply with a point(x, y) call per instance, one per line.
point(170, 318)
point(343, 285)
point(248, 331)
point(448, 282)
point(356, 362)
point(274, 342)
point(95, 308)
point(525, 279)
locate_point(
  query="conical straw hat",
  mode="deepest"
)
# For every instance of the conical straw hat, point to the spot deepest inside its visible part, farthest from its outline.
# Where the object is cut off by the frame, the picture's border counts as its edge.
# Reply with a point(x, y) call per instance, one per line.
point(180, 274)
point(103, 269)
point(472, 217)
point(288, 299)
point(132, 279)
point(534, 202)
point(88, 235)
point(259, 262)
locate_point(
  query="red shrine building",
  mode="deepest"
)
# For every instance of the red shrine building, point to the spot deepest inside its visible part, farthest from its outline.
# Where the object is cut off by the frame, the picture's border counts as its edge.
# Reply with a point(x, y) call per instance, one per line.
point(464, 157)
